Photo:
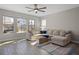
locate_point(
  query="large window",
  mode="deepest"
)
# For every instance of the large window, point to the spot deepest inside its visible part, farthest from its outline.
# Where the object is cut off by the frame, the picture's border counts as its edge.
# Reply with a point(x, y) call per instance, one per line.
point(43, 25)
point(21, 25)
point(8, 24)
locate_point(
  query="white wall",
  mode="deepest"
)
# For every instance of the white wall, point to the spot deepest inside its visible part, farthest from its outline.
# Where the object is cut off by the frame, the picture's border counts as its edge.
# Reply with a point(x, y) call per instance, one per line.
point(67, 20)
point(15, 15)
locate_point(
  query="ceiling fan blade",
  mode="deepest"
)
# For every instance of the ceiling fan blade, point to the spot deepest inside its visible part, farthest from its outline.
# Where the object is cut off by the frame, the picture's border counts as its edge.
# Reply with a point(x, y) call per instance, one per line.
point(43, 8)
point(28, 7)
point(30, 10)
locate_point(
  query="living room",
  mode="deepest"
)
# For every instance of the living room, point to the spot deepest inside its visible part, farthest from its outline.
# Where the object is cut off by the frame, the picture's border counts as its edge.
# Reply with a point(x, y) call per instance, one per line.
point(39, 27)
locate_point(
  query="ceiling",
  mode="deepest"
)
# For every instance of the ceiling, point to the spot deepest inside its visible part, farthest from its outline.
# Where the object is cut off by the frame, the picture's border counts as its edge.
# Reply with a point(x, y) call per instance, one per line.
point(51, 8)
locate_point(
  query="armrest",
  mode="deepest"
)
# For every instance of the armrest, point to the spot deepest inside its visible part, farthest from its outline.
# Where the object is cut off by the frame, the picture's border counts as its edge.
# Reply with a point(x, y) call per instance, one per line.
point(68, 35)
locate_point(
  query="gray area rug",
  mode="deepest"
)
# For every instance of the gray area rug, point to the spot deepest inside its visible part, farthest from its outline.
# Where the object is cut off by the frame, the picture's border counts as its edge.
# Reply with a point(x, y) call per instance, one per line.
point(57, 50)
point(49, 47)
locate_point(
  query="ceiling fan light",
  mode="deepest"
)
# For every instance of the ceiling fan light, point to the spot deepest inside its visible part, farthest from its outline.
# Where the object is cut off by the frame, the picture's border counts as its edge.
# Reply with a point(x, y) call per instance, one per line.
point(36, 10)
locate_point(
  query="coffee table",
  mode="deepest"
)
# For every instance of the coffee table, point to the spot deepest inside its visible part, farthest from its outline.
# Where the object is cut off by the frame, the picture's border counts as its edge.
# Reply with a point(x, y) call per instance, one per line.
point(44, 38)
point(41, 38)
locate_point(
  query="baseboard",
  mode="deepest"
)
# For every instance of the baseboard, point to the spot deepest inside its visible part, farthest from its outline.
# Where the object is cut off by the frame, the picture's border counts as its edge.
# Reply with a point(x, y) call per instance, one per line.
point(76, 42)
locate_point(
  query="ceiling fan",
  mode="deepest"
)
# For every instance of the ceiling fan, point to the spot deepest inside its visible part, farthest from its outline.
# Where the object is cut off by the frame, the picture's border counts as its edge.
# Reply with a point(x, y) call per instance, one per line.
point(36, 9)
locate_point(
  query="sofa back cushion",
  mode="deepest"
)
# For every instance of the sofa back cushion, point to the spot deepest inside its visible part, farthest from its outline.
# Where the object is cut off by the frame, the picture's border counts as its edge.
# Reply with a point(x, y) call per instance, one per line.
point(58, 32)
point(50, 32)
point(62, 33)
point(55, 32)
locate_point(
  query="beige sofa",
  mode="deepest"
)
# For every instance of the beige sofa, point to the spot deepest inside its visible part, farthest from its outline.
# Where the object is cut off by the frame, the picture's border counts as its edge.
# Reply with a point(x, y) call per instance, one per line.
point(60, 37)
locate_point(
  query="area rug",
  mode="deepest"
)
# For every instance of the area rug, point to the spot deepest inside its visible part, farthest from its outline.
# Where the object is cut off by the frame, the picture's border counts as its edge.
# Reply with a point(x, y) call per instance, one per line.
point(67, 50)
point(53, 49)
point(49, 47)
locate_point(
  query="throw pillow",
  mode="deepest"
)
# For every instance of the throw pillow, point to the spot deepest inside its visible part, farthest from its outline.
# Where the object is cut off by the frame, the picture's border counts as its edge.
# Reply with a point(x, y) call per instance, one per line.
point(62, 33)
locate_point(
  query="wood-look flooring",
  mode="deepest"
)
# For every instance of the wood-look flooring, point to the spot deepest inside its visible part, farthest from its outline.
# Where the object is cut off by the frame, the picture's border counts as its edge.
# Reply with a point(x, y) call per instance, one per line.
point(22, 47)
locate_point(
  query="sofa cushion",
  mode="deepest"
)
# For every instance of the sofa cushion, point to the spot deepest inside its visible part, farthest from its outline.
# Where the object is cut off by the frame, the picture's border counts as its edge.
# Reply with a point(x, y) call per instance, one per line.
point(59, 37)
point(60, 40)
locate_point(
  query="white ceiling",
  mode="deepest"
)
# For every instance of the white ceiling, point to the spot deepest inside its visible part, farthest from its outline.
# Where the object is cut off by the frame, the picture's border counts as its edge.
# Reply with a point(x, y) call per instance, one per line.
point(51, 8)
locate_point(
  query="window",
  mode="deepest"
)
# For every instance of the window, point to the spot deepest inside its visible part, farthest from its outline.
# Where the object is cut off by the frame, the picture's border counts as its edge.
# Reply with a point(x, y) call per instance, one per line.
point(21, 24)
point(43, 25)
point(31, 25)
point(31, 22)
point(8, 20)
point(8, 24)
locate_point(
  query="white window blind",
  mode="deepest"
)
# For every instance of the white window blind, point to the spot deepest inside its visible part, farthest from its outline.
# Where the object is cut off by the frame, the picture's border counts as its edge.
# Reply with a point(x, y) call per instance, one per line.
point(43, 24)
point(8, 20)
point(8, 24)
